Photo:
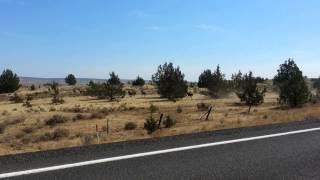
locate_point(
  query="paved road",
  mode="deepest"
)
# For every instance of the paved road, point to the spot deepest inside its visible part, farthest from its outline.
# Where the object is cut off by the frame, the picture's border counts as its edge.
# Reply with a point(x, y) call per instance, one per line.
point(294, 156)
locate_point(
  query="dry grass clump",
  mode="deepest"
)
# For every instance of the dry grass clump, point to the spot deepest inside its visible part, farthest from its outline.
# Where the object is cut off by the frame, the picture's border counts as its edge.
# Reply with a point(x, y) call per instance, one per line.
point(75, 109)
point(10, 122)
point(3, 127)
point(52, 109)
point(130, 126)
point(203, 106)
point(80, 117)
point(20, 135)
point(56, 135)
point(123, 107)
point(87, 140)
point(97, 115)
point(179, 109)
point(27, 139)
point(169, 122)
point(16, 98)
point(56, 119)
point(5, 112)
point(16, 120)
point(27, 130)
point(153, 108)
point(104, 110)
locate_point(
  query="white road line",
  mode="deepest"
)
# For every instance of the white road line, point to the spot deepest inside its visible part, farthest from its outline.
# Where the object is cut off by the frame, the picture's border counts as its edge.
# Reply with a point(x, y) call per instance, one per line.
point(98, 161)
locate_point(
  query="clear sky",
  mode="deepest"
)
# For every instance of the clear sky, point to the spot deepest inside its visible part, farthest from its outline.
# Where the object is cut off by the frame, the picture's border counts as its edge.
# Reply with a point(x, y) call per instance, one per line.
point(90, 38)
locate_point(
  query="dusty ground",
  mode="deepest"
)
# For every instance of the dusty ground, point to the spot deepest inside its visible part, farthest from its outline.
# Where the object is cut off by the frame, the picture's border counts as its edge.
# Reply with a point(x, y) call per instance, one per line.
point(25, 128)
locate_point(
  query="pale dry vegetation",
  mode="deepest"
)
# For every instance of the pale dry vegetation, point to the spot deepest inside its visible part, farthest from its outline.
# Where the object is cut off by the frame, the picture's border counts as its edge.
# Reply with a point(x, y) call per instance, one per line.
point(74, 123)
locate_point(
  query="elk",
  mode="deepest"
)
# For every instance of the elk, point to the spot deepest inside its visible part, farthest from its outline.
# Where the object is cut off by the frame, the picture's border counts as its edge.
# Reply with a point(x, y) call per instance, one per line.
point(132, 92)
point(143, 93)
point(190, 94)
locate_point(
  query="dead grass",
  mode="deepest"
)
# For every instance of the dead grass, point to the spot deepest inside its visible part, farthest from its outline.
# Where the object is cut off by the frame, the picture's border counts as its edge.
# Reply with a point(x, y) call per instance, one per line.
point(31, 129)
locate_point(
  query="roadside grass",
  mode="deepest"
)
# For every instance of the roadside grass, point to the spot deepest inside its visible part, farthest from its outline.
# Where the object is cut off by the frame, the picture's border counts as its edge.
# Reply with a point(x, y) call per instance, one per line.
point(74, 122)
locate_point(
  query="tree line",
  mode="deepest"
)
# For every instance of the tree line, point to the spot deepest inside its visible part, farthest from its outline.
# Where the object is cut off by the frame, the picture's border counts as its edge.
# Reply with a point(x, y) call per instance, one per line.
point(170, 81)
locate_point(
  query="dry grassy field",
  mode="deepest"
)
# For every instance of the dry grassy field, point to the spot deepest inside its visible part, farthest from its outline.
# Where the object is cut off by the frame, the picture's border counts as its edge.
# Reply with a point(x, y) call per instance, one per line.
point(47, 126)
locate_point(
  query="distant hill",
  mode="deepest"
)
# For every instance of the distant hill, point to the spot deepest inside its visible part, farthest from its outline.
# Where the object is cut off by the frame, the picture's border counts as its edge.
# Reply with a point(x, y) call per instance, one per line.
point(38, 81)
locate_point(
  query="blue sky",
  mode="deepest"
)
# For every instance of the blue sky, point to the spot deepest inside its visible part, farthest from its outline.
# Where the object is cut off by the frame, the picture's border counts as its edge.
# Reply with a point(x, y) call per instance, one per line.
point(90, 38)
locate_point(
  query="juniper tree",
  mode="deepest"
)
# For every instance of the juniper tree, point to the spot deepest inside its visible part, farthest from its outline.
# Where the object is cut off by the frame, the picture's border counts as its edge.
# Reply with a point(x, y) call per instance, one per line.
point(291, 83)
point(56, 97)
point(138, 82)
point(111, 89)
point(316, 85)
point(170, 82)
point(248, 90)
point(9, 82)
point(205, 79)
point(217, 84)
point(71, 80)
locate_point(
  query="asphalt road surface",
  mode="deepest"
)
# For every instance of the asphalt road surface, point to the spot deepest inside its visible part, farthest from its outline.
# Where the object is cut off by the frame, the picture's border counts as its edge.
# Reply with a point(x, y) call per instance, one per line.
point(283, 156)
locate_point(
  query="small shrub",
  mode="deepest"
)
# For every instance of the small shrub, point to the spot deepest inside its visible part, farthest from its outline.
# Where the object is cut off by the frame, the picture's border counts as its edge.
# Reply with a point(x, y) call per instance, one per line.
point(75, 109)
point(153, 108)
point(97, 115)
point(27, 130)
point(45, 137)
point(104, 128)
point(79, 117)
point(56, 119)
point(151, 125)
point(5, 112)
point(3, 127)
point(203, 106)
point(179, 109)
point(32, 87)
point(17, 120)
point(104, 111)
point(265, 117)
point(52, 109)
point(87, 140)
point(169, 122)
point(20, 135)
point(60, 133)
point(55, 135)
point(26, 139)
point(130, 126)
point(56, 99)
point(78, 135)
point(123, 107)
point(27, 104)
point(42, 109)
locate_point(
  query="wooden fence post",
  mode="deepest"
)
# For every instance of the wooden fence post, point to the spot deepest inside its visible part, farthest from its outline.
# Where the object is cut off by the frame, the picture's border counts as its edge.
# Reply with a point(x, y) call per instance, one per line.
point(159, 125)
point(98, 135)
point(210, 109)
